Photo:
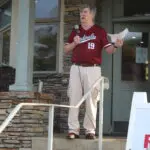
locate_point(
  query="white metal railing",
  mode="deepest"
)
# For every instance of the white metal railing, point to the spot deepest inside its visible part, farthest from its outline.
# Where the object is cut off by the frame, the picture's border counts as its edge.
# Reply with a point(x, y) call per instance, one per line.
point(104, 84)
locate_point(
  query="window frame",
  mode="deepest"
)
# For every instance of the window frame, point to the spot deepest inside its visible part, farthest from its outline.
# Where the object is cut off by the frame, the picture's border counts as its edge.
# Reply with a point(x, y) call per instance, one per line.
point(57, 20)
point(55, 71)
point(2, 30)
point(5, 29)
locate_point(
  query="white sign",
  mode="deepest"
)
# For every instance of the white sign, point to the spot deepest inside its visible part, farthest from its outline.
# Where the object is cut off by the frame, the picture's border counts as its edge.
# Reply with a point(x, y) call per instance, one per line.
point(121, 35)
point(139, 124)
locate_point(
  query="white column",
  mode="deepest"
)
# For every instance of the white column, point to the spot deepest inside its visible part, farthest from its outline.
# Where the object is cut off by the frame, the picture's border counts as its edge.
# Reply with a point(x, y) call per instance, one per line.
point(24, 46)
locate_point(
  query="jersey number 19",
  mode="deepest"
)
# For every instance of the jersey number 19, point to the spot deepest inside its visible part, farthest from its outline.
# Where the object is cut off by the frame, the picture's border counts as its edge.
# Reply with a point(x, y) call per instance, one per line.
point(91, 45)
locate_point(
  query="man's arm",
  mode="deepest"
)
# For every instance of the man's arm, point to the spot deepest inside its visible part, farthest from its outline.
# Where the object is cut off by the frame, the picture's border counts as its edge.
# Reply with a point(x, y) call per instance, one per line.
point(112, 48)
point(70, 46)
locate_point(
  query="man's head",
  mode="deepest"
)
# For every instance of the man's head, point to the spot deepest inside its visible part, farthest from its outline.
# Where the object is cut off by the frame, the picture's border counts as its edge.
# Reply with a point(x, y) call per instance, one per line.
point(87, 14)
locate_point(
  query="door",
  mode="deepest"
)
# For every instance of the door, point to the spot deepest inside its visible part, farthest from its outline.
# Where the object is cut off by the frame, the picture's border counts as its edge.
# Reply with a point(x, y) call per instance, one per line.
point(130, 72)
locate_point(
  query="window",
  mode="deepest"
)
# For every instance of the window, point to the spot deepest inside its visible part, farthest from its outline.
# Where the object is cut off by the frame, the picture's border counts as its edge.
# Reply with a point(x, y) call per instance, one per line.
point(45, 47)
point(46, 35)
point(5, 15)
point(46, 9)
point(136, 8)
point(6, 46)
point(135, 56)
point(5, 21)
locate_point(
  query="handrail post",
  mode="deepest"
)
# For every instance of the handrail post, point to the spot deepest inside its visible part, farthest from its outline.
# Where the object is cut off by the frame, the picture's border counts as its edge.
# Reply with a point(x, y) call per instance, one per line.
point(101, 115)
point(50, 128)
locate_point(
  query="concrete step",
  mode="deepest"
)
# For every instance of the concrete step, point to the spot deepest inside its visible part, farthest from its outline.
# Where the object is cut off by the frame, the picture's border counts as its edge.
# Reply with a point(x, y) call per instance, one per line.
point(61, 143)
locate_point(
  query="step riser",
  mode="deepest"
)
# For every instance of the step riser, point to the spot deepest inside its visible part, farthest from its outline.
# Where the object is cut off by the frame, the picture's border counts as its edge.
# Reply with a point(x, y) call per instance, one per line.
point(63, 144)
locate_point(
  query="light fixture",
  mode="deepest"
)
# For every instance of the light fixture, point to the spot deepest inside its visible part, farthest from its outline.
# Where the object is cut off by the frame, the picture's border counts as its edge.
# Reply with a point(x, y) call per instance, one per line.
point(133, 37)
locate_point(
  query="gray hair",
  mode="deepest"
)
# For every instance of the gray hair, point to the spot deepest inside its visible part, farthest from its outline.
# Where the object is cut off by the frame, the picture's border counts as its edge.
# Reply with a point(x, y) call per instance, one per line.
point(91, 8)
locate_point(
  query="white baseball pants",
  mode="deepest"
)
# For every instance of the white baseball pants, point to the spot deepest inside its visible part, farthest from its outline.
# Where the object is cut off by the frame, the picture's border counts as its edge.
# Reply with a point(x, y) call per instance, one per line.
point(81, 80)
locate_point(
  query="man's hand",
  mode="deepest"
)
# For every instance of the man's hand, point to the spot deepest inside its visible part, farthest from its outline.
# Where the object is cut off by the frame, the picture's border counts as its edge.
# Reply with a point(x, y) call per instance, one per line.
point(76, 40)
point(112, 48)
point(118, 43)
point(70, 46)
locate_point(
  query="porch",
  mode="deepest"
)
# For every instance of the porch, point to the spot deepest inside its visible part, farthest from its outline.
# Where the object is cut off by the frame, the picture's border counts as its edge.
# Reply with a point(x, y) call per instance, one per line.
point(61, 143)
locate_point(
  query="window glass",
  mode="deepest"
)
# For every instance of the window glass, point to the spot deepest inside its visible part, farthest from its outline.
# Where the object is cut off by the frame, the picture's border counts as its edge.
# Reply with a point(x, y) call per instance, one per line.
point(6, 47)
point(5, 15)
point(46, 8)
point(135, 57)
point(45, 47)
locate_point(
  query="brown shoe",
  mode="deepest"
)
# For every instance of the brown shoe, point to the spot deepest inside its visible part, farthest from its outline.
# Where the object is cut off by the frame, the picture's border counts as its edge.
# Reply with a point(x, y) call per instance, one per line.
point(90, 136)
point(72, 136)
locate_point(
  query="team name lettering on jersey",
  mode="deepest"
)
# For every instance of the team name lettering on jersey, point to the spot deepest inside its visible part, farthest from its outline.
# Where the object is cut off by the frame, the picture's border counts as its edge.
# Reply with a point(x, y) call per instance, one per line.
point(87, 38)
point(92, 42)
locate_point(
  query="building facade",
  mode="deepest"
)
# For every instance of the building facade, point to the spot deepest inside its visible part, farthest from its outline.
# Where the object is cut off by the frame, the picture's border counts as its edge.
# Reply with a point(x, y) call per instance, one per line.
point(32, 35)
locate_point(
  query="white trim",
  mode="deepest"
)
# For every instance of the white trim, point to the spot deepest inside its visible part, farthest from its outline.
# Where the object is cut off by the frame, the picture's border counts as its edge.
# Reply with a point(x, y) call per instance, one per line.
point(107, 45)
point(44, 72)
point(5, 27)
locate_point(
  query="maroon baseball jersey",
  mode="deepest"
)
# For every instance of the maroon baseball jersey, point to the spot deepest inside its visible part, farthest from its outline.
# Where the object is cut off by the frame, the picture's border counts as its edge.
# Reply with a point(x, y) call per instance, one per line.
point(89, 51)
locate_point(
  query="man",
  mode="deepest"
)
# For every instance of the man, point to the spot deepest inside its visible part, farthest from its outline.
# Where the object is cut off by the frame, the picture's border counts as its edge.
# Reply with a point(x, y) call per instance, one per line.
point(86, 44)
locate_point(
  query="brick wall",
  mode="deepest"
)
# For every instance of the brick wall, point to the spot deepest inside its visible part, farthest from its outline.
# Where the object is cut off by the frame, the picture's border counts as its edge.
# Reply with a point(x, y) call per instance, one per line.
point(30, 122)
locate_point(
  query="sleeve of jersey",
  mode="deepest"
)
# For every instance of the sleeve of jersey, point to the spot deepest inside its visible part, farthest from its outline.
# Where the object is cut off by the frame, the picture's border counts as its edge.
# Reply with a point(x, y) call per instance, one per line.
point(105, 42)
point(71, 36)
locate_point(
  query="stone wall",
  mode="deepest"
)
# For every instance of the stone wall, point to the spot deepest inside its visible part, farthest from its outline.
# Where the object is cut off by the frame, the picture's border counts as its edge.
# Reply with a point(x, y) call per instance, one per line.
point(57, 85)
point(32, 121)
point(29, 122)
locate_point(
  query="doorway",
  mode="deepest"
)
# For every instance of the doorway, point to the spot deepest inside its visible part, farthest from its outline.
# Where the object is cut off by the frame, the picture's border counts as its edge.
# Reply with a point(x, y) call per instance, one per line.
point(130, 72)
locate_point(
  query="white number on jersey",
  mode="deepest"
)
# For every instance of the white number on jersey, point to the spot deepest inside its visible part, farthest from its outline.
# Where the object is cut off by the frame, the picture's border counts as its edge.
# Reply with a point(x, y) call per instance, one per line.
point(91, 45)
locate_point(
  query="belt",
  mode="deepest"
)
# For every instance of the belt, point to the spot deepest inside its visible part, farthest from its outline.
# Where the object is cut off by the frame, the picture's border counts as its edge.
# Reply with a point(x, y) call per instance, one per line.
point(86, 65)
